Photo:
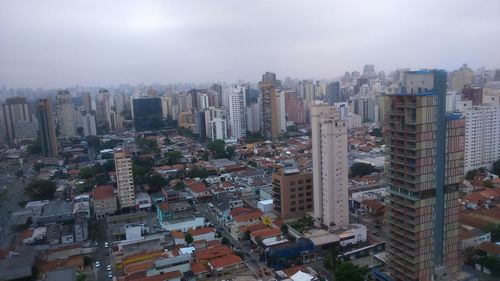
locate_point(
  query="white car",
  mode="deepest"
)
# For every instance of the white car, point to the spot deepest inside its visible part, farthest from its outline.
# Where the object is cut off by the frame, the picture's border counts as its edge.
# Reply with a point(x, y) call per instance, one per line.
point(108, 267)
point(106, 244)
point(97, 264)
point(110, 274)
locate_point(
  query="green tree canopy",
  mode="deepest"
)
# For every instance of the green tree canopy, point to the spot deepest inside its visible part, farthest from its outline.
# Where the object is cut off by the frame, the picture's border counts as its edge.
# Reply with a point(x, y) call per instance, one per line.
point(470, 175)
point(225, 241)
point(487, 183)
point(217, 148)
point(41, 189)
point(188, 238)
point(198, 172)
point(349, 272)
point(87, 172)
point(156, 180)
point(173, 157)
point(93, 141)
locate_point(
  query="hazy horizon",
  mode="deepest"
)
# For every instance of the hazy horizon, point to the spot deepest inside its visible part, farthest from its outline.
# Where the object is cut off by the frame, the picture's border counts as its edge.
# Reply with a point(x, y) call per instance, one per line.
point(57, 44)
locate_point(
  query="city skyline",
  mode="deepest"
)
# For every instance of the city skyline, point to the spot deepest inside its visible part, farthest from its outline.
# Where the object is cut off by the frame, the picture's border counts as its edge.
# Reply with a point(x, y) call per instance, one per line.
point(63, 44)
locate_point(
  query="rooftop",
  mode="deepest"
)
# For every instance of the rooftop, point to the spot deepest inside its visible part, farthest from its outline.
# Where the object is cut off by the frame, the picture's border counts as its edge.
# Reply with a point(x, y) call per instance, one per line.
point(225, 261)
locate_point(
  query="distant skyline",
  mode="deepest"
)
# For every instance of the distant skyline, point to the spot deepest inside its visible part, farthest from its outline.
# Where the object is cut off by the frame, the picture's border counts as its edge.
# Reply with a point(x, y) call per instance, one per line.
point(58, 44)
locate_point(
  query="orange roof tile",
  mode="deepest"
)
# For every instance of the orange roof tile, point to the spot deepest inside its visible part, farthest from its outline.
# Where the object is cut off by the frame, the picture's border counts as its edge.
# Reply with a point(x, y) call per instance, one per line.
point(198, 187)
point(373, 204)
point(490, 247)
point(198, 268)
point(215, 252)
point(201, 231)
point(247, 217)
point(103, 192)
point(225, 261)
point(137, 267)
point(177, 234)
point(266, 233)
point(255, 227)
point(164, 206)
point(240, 211)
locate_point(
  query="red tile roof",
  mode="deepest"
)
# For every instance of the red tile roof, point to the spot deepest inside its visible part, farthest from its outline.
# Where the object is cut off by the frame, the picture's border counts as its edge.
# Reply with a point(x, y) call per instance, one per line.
point(266, 233)
point(198, 268)
point(164, 206)
point(198, 187)
point(247, 217)
point(103, 192)
point(373, 204)
point(226, 261)
point(138, 267)
point(256, 227)
point(240, 211)
point(201, 231)
point(177, 234)
point(212, 253)
point(490, 247)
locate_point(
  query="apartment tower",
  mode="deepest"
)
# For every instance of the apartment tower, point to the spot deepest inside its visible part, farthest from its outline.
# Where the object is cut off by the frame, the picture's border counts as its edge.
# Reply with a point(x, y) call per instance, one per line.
point(47, 132)
point(292, 193)
point(124, 178)
point(330, 167)
point(424, 165)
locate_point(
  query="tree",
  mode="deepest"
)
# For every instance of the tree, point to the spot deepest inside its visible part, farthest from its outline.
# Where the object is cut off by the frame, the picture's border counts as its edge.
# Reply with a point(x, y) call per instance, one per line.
point(93, 141)
point(246, 236)
point(376, 132)
point(41, 189)
point(361, 169)
point(156, 181)
point(330, 262)
point(107, 155)
point(471, 174)
point(494, 229)
point(349, 272)
point(217, 148)
point(284, 229)
point(109, 166)
point(87, 172)
point(496, 168)
point(229, 152)
point(488, 183)
point(198, 172)
point(139, 173)
point(173, 157)
point(81, 276)
point(188, 238)
point(35, 148)
point(225, 241)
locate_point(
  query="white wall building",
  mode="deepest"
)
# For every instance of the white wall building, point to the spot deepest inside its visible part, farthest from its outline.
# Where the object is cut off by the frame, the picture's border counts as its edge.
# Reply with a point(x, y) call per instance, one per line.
point(237, 113)
point(482, 136)
point(218, 129)
point(87, 121)
point(280, 96)
point(253, 118)
point(330, 167)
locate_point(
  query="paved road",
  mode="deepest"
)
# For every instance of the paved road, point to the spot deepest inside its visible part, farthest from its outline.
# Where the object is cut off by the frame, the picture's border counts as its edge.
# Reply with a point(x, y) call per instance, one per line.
point(101, 253)
point(251, 259)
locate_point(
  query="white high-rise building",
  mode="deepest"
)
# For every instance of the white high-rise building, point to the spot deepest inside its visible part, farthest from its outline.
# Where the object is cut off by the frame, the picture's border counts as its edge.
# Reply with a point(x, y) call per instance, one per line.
point(218, 129)
point(166, 106)
point(203, 101)
point(87, 120)
point(124, 178)
point(330, 166)
point(237, 113)
point(253, 118)
point(482, 136)
point(65, 115)
point(280, 96)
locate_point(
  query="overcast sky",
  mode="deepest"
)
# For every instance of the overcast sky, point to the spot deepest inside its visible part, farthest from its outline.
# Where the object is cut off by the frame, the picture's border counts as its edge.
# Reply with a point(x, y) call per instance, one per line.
point(62, 43)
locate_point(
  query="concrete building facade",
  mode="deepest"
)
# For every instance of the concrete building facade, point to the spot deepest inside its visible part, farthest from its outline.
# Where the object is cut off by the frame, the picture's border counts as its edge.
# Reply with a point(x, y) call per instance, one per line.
point(330, 166)
point(292, 193)
point(124, 178)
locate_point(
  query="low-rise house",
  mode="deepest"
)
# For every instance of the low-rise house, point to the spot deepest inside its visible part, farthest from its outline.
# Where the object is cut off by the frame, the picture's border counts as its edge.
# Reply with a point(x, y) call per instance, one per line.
point(241, 217)
point(104, 201)
point(165, 212)
point(472, 237)
point(67, 234)
point(204, 233)
point(374, 207)
point(200, 270)
point(143, 201)
point(491, 249)
point(55, 212)
point(226, 266)
point(224, 203)
point(199, 191)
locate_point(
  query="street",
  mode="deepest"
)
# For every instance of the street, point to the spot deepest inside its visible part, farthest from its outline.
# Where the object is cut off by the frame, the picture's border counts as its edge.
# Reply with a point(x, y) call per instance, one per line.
point(101, 253)
point(251, 259)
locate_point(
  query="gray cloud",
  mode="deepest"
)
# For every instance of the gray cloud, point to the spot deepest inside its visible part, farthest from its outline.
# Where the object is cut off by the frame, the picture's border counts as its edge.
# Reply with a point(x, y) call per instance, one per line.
point(61, 43)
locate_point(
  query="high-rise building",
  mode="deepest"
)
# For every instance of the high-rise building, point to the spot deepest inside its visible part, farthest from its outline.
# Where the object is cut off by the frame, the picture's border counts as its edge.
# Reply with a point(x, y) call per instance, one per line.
point(15, 118)
point(295, 108)
point(482, 136)
point(292, 193)
point(461, 77)
point(237, 113)
point(218, 129)
point(334, 94)
point(88, 123)
point(124, 178)
point(266, 101)
point(46, 127)
point(86, 101)
point(65, 115)
point(253, 118)
point(330, 166)
point(369, 71)
point(424, 165)
point(166, 106)
point(280, 114)
point(473, 93)
point(147, 113)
